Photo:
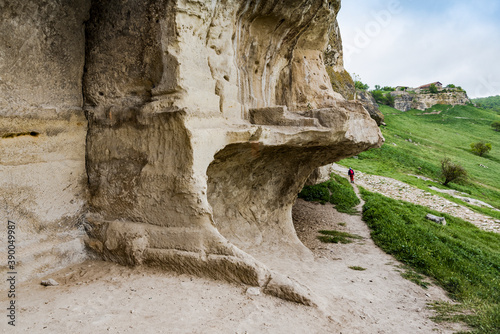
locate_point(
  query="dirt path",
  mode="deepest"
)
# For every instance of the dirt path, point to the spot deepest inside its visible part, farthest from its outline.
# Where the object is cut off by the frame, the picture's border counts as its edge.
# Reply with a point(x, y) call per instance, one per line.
point(99, 297)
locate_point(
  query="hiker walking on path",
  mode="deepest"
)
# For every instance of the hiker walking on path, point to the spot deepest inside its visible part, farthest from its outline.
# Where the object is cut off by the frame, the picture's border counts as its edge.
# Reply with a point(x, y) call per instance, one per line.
point(351, 175)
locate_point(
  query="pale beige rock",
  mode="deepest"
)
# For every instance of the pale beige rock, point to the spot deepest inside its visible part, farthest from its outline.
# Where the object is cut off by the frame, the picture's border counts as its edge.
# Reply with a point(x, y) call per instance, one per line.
point(42, 132)
point(405, 101)
point(205, 119)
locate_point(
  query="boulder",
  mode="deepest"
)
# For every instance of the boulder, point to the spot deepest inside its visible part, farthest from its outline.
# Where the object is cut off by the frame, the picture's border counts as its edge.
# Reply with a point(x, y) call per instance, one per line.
point(436, 219)
point(370, 105)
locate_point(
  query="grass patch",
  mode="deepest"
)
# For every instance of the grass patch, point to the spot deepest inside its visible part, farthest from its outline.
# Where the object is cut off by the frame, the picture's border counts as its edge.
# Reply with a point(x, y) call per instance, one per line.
point(411, 275)
point(357, 268)
point(416, 143)
point(459, 257)
point(337, 191)
point(448, 312)
point(336, 236)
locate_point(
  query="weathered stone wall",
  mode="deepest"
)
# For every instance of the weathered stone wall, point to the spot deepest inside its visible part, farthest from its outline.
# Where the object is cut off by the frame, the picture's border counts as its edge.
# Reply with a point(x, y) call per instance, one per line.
point(42, 132)
point(370, 105)
point(205, 119)
point(340, 79)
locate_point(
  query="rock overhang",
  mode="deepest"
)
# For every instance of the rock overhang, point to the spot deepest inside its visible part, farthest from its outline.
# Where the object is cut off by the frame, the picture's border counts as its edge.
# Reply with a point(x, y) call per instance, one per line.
point(204, 120)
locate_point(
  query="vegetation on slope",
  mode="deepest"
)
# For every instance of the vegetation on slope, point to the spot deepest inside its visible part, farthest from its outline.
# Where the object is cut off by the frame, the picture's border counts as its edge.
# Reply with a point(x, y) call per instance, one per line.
point(459, 257)
point(491, 102)
point(337, 191)
point(462, 259)
point(417, 142)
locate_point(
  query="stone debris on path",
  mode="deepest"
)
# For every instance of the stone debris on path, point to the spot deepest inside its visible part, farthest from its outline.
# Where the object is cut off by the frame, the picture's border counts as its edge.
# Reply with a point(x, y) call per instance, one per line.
point(401, 191)
point(49, 282)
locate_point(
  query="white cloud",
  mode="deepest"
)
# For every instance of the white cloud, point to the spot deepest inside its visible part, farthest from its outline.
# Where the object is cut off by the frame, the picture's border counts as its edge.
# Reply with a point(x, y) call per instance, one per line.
point(393, 43)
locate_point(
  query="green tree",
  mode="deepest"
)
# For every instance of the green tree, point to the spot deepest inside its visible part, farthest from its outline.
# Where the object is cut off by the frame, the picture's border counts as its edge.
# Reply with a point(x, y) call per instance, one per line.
point(496, 125)
point(452, 172)
point(433, 89)
point(390, 99)
point(480, 148)
point(378, 96)
point(358, 84)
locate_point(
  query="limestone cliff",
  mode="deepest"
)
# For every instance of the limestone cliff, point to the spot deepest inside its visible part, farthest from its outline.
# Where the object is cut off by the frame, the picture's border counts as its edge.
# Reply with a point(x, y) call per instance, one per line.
point(406, 100)
point(334, 63)
point(42, 132)
point(205, 119)
point(370, 105)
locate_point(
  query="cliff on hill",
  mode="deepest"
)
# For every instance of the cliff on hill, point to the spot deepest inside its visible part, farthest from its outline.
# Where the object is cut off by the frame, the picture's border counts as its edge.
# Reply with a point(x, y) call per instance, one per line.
point(423, 98)
point(169, 133)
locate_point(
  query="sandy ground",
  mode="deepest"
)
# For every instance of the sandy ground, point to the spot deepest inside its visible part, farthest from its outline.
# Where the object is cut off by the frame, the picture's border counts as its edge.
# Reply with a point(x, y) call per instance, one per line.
point(100, 297)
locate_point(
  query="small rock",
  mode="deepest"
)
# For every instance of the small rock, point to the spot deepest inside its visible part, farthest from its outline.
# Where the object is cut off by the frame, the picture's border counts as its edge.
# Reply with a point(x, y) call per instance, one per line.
point(49, 282)
point(253, 291)
point(436, 219)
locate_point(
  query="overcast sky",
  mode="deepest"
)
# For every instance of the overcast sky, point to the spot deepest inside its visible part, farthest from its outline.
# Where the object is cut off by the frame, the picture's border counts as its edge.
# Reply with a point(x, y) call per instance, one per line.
point(414, 42)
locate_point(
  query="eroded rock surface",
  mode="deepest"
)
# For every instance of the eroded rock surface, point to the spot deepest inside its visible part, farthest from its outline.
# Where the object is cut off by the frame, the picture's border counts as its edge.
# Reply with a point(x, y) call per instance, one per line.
point(370, 105)
point(205, 119)
point(42, 132)
point(405, 101)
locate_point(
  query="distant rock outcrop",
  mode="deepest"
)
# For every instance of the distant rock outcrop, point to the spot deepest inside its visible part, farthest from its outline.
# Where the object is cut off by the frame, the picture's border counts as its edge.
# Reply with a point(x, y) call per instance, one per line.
point(422, 99)
point(370, 105)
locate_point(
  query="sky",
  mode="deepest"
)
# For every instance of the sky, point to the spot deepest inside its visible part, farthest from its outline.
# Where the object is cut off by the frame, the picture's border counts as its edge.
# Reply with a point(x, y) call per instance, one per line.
point(415, 42)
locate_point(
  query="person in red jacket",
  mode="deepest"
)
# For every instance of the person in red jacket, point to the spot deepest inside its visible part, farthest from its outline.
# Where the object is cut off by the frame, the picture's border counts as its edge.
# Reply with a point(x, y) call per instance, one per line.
point(351, 175)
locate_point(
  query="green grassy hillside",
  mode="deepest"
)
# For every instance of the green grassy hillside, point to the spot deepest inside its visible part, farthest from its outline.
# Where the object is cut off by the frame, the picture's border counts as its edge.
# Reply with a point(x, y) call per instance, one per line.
point(459, 257)
point(416, 142)
point(491, 102)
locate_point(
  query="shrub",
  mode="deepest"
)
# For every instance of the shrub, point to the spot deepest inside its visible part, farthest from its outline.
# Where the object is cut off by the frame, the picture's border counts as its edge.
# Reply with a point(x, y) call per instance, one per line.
point(496, 125)
point(390, 99)
point(480, 148)
point(360, 85)
point(452, 172)
point(378, 96)
point(382, 98)
point(316, 193)
point(337, 191)
point(433, 89)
